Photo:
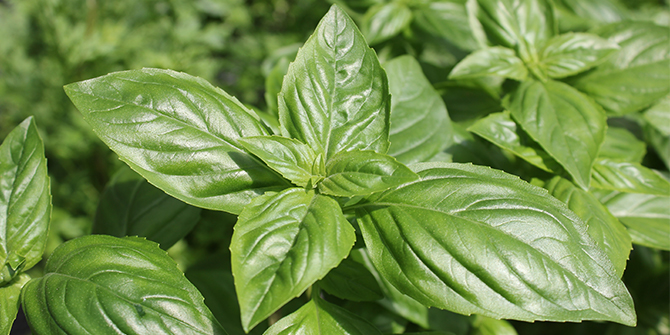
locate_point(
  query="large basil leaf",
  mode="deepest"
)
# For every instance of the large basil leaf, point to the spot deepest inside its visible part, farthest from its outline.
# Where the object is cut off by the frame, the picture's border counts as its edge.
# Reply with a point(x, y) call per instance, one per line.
point(584, 14)
point(566, 123)
point(25, 200)
point(621, 144)
point(352, 281)
point(628, 177)
point(475, 240)
point(180, 133)
point(385, 20)
point(130, 206)
point(9, 300)
point(606, 230)
point(319, 317)
point(283, 243)
point(101, 284)
point(637, 75)
point(335, 95)
point(420, 124)
point(498, 61)
point(572, 53)
point(447, 19)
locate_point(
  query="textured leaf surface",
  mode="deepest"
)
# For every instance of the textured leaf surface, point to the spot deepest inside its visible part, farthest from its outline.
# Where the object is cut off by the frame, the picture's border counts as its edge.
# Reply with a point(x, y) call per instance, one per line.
point(475, 240)
point(335, 95)
point(25, 200)
point(352, 281)
point(572, 53)
point(9, 300)
point(628, 177)
point(386, 20)
point(283, 243)
point(621, 144)
point(497, 61)
point(448, 19)
point(107, 285)
point(420, 124)
point(319, 317)
point(130, 206)
point(180, 133)
point(566, 123)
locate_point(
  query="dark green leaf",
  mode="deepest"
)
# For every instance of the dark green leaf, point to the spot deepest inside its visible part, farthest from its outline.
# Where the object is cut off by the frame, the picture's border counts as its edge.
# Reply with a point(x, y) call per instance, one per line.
point(621, 144)
point(447, 19)
point(25, 200)
point(568, 54)
point(9, 300)
point(180, 133)
point(567, 124)
point(628, 177)
point(496, 61)
point(283, 243)
point(385, 20)
point(475, 240)
point(352, 281)
point(130, 206)
point(335, 95)
point(107, 285)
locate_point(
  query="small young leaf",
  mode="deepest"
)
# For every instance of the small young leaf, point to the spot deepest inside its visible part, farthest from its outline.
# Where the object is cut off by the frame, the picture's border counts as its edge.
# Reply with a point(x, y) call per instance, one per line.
point(180, 133)
point(25, 200)
point(628, 177)
point(447, 19)
point(492, 61)
point(283, 243)
point(362, 173)
point(568, 54)
point(567, 124)
point(130, 206)
point(352, 281)
point(385, 20)
point(621, 144)
point(101, 284)
point(9, 300)
point(335, 95)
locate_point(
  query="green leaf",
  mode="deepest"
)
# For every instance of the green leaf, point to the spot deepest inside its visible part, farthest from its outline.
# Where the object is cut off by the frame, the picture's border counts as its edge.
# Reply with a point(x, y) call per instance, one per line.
point(475, 240)
point(9, 300)
point(659, 116)
point(362, 173)
point(180, 133)
point(628, 177)
point(319, 317)
point(568, 54)
point(604, 228)
point(621, 144)
point(130, 206)
point(491, 61)
point(589, 13)
point(501, 130)
point(487, 326)
point(101, 284)
point(294, 160)
point(273, 84)
point(335, 95)
point(447, 19)
point(25, 200)
point(637, 75)
point(385, 20)
point(283, 243)
point(351, 281)
point(567, 124)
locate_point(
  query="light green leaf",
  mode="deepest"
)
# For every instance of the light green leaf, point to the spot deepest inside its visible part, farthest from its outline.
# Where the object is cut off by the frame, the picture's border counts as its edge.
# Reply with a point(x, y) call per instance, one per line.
point(319, 317)
point(273, 84)
point(101, 284)
point(567, 124)
point(590, 13)
point(362, 173)
point(351, 281)
point(294, 160)
point(9, 300)
point(420, 124)
point(475, 240)
point(385, 20)
point(447, 19)
point(604, 228)
point(621, 144)
point(180, 133)
point(568, 54)
point(25, 200)
point(628, 177)
point(659, 116)
point(283, 243)
point(637, 75)
point(487, 326)
point(130, 206)
point(335, 95)
point(496, 61)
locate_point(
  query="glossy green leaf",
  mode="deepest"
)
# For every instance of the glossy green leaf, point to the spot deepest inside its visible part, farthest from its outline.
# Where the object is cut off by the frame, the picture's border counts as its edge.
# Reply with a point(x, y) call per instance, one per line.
point(589, 13)
point(385, 20)
point(492, 61)
point(283, 243)
point(355, 173)
point(621, 144)
point(180, 133)
point(501, 130)
point(659, 116)
point(420, 124)
point(604, 228)
point(447, 19)
point(294, 160)
point(567, 124)
point(101, 284)
point(9, 300)
point(25, 200)
point(351, 281)
point(130, 206)
point(487, 326)
point(628, 177)
point(637, 75)
point(319, 317)
point(335, 95)
point(568, 54)
point(475, 240)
